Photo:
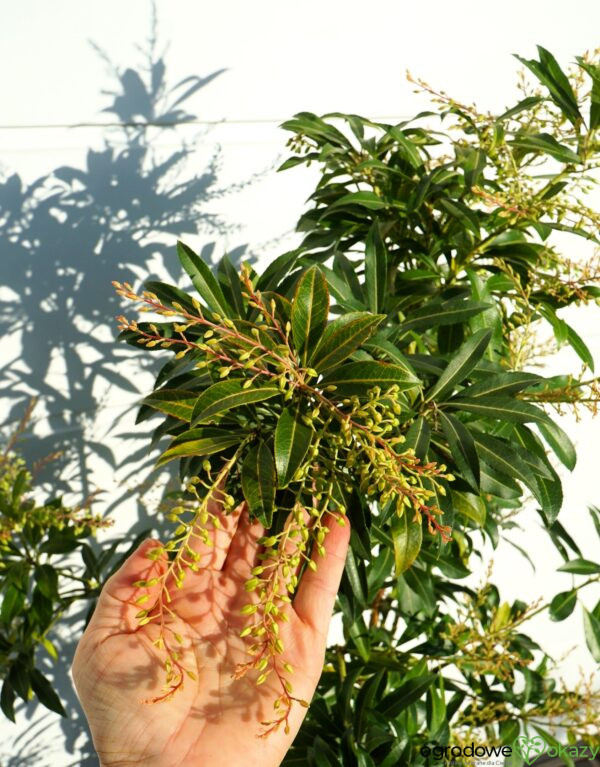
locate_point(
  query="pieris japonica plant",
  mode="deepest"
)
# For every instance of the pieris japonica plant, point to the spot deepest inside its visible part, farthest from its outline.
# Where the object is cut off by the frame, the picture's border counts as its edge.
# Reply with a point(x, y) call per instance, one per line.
point(269, 409)
point(389, 370)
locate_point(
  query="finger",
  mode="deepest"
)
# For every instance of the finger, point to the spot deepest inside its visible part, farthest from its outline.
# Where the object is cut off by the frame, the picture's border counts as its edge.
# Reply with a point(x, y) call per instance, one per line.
point(318, 588)
point(122, 595)
point(212, 541)
point(243, 551)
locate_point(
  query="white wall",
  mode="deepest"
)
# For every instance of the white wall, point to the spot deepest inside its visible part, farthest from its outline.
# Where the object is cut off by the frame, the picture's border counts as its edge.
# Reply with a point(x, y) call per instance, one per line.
point(280, 58)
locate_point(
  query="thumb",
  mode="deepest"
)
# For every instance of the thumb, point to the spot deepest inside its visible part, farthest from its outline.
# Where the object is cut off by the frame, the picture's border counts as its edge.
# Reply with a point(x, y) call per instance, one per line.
point(133, 587)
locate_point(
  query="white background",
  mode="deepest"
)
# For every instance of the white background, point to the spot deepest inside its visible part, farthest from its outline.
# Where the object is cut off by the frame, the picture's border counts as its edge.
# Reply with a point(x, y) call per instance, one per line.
point(280, 58)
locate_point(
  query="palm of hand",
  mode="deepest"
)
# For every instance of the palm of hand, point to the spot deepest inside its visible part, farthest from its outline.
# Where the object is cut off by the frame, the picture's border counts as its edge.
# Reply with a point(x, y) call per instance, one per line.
point(214, 719)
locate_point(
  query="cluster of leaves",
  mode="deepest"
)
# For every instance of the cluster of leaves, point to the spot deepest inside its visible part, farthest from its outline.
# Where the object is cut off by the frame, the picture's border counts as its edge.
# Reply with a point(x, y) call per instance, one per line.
point(414, 397)
point(269, 410)
point(39, 576)
point(449, 233)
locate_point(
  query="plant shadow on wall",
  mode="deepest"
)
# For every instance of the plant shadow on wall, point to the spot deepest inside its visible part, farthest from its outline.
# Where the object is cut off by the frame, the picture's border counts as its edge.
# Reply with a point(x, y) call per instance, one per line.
point(63, 238)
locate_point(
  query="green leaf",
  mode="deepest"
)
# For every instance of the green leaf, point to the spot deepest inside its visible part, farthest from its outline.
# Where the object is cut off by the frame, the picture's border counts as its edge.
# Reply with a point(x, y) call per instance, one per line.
point(13, 600)
point(470, 506)
point(199, 442)
point(342, 337)
point(408, 693)
point(549, 73)
point(203, 280)
point(461, 364)
point(45, 693)
point(375, 268)
point(593, 71)
point(408, 537)
point(544, 142)
point(359, 377)
point(563, 605)
point(175, 402)
point(310, 308)
point(580, 347)
point(591, 627)
point(580, 567)
point(501, 408)
point(365, 199)
point(560, 443)
point(462, 447)
point(499, 455)
point(418, 437)
point(501, 384)
point(258, 482)
point(292, 440)
point(225, 395)
point(231, 284)
point(7, 700)
point(438, 314)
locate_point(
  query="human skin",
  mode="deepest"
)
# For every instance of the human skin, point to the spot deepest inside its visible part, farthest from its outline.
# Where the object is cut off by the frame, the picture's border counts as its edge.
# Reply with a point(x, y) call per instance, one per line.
point(214, 720)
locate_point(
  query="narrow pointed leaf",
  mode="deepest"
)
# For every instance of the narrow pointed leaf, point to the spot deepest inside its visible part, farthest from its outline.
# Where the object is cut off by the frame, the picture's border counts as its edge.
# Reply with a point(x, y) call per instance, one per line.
point(199, 442)
point(310, 308)
point(418, 437)
point(292, 440)
point(560, 443)
point(462, 363)
point(225, 395)
point(258, 482)
point(501, 408)
point(375, 268)
point(408, 538)
point(591, 627)
point(342, 337)
point(462, 447)
point(359, 377)
point(175, 402)
point(203, 280)
point(501, 384)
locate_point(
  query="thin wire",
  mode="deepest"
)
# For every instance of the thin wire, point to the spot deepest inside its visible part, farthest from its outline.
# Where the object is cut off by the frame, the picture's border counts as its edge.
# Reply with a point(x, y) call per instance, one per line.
point(170, 124)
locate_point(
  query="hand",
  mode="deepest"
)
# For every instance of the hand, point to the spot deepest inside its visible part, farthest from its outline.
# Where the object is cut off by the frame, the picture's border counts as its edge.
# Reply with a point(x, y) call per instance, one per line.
point(215, 719)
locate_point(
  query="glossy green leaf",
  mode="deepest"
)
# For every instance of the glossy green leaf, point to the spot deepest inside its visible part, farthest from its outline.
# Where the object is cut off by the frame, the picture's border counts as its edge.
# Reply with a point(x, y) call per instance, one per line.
point(223, 396)
point(45, 692)
point(258, 482)
point(580, 347)
point(365, 199)
point(408, 538)
point(461, 364)
point(580, 566)
point(409, 692)
point(548, 71)
point(375, 268)
point(175, 402)
point(359, 377)
point(462, 447)
point(560, 443)
point(200, 442)
point(501, 408)
point(310, 308)
point(562, 605)
point(417, 437)
point(342, 337)
point(443, 313)
point(593, 71)
point(203, 280)
point(470, 506)
point(292, 440)
point(545, 143)
point(501, 384)
point(591, 627)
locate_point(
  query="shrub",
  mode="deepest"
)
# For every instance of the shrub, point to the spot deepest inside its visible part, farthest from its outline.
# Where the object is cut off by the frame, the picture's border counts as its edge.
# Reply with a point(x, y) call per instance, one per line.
point(415, 411)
